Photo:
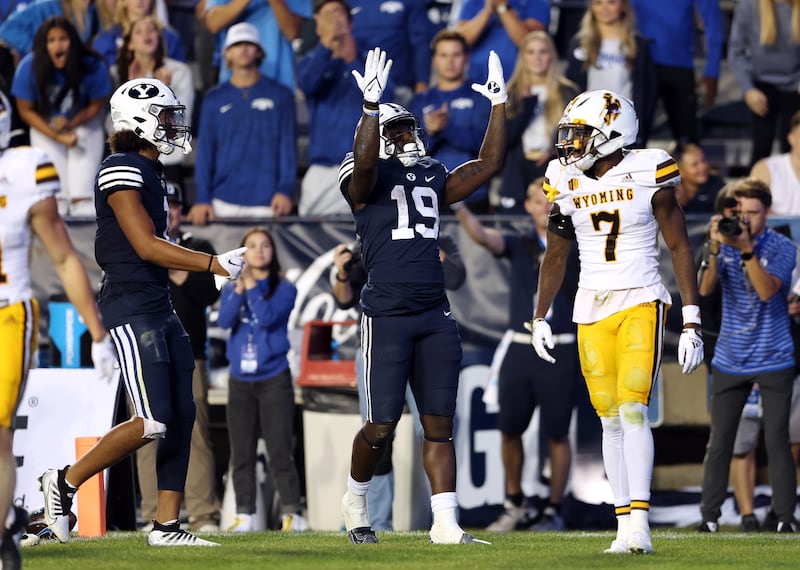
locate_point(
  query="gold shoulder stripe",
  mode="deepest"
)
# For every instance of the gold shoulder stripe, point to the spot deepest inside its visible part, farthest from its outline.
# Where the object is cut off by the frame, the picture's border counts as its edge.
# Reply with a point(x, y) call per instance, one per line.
point(666, 170)
point(46, 172)
point(550, 191)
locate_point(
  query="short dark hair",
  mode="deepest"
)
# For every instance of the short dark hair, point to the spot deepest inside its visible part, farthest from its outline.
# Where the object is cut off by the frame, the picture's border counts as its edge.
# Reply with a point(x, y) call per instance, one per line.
point(128, 141)
point(318, 4)
point(447, 35)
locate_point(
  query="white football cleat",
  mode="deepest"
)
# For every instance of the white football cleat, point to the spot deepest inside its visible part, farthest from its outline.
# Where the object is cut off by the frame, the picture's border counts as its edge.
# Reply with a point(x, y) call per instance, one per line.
point(617, 547)
point(356, 520)
point(441, 535)
point(57, 502)
point(639, 543)
point(172, 535)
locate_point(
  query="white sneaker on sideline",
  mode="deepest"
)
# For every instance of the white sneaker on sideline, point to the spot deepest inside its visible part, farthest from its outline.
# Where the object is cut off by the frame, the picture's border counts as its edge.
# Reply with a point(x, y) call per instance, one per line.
point(511, 517)
point(243, 522)
point(293, 523)
point(172, 535)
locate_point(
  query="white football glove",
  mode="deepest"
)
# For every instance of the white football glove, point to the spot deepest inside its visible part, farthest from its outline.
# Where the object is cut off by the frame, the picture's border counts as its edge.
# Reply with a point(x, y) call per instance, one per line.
point(541, 337)
point(495, 87)
point(104, 358)
point(690, 350)
point(376, 73)
point(232, 261)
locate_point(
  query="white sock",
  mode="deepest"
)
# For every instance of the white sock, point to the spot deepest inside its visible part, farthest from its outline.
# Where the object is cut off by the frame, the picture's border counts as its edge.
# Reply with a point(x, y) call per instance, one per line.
point(444, 507)
point(638, 450)
point(357, 488)
point(639, 521)
point(623, 524)
point(614, 460)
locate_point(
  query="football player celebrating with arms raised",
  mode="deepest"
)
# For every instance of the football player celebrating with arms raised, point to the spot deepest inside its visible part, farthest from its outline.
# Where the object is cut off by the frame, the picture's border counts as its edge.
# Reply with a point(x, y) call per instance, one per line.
point(613, 202)
point(133, 249)
point(407, 330)
point(29, 183)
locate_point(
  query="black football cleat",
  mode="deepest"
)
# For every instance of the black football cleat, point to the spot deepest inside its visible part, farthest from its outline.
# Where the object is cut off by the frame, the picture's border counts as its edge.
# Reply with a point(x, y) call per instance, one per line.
point(10, 557)
point(362, 535)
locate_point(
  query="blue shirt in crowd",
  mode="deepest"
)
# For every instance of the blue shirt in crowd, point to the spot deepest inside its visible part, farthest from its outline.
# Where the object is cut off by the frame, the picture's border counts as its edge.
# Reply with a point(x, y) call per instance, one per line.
point(18, 30)
point(279, 60)
point(260, 321)
point(247, 147)
point(402, 29)
point(754, 336)
point(496, 38)
point(671, 27)
point(95, 84)
point(334, 104)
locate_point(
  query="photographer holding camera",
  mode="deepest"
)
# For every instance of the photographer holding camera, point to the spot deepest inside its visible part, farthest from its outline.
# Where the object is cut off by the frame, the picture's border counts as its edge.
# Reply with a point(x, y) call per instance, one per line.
point(753, 266)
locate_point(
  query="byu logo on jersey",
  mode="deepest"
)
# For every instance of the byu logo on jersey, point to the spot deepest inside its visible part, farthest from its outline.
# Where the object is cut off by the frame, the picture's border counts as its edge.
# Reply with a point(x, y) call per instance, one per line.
point(143, 91)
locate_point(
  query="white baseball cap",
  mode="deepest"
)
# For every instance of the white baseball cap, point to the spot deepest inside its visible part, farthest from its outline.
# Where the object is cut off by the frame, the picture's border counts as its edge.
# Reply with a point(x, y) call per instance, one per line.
point(242, 32)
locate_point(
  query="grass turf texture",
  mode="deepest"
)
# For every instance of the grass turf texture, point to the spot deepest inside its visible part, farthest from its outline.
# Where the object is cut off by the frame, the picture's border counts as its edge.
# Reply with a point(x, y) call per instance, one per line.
point(674, 548)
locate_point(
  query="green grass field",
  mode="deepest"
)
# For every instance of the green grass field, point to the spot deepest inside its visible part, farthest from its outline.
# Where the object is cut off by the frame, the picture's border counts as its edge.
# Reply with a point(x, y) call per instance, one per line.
point(680, 549)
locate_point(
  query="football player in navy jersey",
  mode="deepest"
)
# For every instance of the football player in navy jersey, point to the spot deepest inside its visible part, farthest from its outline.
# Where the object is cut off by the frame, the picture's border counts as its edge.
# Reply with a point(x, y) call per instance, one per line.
point(407, 330)
point(134, 251)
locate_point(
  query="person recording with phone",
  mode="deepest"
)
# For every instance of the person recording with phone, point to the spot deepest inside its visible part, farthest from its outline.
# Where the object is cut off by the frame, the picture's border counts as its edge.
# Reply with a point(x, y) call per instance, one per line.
point(753, 266)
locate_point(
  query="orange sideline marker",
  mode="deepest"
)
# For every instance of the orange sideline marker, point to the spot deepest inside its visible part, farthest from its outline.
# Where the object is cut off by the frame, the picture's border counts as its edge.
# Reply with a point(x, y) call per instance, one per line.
point(91, 496)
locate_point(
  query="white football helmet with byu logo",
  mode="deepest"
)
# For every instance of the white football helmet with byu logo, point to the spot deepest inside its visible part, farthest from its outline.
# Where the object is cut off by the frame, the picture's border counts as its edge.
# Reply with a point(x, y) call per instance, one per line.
point(392, 114)
point(595, 124)
point(150, 109)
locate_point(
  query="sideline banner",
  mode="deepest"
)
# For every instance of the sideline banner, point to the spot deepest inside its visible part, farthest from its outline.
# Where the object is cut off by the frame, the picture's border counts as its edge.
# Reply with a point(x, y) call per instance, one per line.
point(57, 406)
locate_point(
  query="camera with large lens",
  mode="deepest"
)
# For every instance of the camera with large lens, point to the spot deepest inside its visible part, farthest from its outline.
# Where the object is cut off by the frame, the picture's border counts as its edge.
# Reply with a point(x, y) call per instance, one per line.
point(729, 226)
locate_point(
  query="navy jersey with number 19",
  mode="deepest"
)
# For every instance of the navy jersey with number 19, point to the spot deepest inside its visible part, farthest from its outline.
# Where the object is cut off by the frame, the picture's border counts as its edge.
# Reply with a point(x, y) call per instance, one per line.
point(399, 230)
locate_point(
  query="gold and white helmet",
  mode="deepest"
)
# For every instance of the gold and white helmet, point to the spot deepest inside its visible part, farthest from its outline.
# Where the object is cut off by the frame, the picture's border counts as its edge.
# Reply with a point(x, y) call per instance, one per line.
point(595, 124)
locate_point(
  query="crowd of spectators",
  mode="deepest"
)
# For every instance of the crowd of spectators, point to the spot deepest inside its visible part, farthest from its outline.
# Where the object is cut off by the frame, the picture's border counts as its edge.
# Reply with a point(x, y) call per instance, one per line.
point(637, 48)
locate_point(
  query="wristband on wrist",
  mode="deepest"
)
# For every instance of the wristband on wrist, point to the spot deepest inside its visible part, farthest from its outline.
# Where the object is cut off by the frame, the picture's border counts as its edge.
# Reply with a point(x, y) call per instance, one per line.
point(345, 280)
point(502, 9)
point(210, 261)
point(456, 206)
point(747, 256)
point(371, 112)
point(691, 315)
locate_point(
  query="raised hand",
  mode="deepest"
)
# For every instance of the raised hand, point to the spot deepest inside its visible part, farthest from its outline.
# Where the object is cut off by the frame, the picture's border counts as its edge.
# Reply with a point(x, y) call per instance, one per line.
point(495, 87)
point(376, 74)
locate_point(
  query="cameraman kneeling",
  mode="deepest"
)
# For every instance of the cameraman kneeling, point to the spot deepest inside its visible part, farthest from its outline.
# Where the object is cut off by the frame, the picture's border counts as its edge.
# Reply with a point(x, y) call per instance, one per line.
point(754, 267)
